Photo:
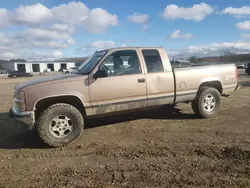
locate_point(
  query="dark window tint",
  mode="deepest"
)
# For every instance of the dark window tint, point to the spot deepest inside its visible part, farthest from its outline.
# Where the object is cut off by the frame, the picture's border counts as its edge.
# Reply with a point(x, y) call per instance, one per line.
point(153, 61)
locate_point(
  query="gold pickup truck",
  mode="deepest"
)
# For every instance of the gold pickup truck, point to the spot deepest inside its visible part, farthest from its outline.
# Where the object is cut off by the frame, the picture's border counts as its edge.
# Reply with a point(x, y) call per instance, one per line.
point(118, 80)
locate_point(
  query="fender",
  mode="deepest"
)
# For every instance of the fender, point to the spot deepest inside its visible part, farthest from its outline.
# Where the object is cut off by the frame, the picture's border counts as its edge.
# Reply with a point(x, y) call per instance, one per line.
point(54, 96)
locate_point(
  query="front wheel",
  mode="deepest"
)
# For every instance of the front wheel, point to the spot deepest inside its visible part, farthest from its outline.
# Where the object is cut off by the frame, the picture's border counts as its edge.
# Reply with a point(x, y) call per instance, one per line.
point(60, 124)
point(207, 102)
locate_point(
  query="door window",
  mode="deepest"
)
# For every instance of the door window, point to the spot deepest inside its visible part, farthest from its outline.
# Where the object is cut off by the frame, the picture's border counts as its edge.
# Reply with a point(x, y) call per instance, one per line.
point(124, 62)
point(153, 61)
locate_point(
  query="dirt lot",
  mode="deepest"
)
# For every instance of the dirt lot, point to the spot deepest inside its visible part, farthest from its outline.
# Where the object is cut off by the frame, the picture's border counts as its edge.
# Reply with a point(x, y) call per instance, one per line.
point(156, 148)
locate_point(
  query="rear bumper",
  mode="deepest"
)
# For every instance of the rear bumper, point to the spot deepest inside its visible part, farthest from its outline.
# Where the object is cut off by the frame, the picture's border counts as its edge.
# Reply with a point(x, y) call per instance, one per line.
point(227, 91)
point(237, 87)
point(27, 118)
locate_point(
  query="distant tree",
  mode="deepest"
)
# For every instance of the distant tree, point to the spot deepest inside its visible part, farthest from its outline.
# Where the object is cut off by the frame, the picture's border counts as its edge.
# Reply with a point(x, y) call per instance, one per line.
point(193, 59)
point(227, 56)
point(77, 60)
point(3, 61)
point(17, 60)
point(224, 57)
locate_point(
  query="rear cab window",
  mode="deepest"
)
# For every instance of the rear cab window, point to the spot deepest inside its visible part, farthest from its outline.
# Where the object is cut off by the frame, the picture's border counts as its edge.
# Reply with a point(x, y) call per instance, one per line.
point(153, 60)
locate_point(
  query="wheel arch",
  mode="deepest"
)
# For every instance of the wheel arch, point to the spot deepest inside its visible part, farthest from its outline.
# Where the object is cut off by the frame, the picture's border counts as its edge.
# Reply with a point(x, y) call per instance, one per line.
point(215, 84)
point(44, 103)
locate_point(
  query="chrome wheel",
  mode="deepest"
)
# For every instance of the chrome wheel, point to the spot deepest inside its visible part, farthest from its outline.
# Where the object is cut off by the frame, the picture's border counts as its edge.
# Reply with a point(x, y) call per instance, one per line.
point(209, 103)
point(61, 126)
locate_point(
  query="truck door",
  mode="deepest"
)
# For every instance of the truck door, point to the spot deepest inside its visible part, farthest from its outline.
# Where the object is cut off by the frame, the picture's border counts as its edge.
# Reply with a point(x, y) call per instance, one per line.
point(120, 83)
point(160, 80)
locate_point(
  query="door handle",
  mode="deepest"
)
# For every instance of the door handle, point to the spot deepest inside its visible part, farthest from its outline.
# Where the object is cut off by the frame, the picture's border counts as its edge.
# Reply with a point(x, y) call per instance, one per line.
point(141, 80)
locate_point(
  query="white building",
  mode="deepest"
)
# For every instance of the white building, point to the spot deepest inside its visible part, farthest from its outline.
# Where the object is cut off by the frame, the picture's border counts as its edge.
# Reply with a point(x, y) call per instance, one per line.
point(37, 66)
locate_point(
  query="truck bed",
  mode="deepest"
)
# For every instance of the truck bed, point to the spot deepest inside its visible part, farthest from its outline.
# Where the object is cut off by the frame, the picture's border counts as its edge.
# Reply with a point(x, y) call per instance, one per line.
point(189, 79)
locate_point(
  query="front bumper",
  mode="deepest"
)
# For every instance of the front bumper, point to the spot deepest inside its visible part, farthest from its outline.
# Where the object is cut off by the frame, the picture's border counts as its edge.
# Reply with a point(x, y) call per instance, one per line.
point(27, 118)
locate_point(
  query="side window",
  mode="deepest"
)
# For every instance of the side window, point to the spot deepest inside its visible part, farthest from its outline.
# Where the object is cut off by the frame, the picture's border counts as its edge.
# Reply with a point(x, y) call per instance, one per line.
point(123, 62)
point(153, 61)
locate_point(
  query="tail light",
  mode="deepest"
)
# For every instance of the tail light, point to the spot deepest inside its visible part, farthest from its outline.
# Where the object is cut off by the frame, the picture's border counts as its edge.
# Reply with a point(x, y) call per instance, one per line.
point(236, 72)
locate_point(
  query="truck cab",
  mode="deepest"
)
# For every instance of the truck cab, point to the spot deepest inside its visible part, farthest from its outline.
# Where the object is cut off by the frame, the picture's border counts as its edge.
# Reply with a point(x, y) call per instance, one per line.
point(142, 73)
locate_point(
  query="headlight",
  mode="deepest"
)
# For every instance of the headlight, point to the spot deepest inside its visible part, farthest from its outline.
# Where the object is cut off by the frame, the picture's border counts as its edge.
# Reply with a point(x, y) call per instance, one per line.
point(19, 101)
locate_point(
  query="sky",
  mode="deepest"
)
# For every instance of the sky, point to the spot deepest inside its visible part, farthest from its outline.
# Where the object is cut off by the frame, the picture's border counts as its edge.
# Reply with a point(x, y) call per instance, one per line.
point(54, 29)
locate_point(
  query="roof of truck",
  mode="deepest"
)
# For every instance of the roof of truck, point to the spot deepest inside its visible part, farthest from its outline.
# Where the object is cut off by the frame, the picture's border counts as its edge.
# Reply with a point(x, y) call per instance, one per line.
point(135, 47)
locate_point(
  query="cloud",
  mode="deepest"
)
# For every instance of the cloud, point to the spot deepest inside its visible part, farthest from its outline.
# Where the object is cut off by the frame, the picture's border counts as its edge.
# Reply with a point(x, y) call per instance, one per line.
point(243, 25)
point(71, 13)
point(31, 14)
point(96, 46)
point(3, 38)
point(213, 49)
point(8, 55)
point(177, 35)
point(96, 20)
point(145, 27)
point(139, 18)
point(33, 39)
point(99, 20)
point(63, 28)
point(195, 13)
point(41, 56)
point(52, 44)
point(45, 38)
point(237, 12)
point(4, 22)
point(49, 29)
point(245, 36)
point(100, 45)
point(47, 34)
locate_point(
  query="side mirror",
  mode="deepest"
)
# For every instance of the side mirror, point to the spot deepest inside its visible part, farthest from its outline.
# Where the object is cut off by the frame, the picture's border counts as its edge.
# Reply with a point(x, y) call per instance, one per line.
point(100, 74)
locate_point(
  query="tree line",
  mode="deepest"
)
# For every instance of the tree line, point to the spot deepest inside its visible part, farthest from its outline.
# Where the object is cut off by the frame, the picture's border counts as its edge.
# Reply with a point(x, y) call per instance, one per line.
point(227, 56)
point(224, 57)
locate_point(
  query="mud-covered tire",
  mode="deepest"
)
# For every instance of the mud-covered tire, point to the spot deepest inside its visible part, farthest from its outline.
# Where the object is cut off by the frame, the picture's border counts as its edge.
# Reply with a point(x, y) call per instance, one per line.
point(56, 110)
point(198, 105)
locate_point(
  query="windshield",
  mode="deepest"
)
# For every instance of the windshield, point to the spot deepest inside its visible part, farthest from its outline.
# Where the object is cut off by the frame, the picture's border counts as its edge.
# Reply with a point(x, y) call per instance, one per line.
point(91, 62)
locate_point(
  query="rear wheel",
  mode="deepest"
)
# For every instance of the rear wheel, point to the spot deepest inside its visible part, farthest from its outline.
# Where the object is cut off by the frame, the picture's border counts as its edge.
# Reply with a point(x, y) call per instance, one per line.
point(60, 124)
point(207, 102)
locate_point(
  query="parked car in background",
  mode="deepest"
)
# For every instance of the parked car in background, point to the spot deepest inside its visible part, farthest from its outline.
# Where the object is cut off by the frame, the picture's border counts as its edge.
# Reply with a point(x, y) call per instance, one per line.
point(247, 68)
point(240, 66)
point(14, 74)
point(3, 72)
point(70, 70)
point(61, 70)
point(176, 64)
point(47, 70)
point(140, 78)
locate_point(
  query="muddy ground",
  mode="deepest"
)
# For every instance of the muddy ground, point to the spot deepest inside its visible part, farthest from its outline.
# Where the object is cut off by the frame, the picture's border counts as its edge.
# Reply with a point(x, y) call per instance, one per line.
point(156, 148)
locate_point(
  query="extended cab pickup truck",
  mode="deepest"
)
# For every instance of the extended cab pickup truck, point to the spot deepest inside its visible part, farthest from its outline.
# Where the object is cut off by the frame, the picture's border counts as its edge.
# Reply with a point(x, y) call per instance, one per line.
point(117, 80)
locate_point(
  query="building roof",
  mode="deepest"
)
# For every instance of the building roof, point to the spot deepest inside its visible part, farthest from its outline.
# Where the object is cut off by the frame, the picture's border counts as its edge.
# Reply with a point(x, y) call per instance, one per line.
point(47, 62)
